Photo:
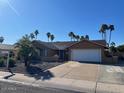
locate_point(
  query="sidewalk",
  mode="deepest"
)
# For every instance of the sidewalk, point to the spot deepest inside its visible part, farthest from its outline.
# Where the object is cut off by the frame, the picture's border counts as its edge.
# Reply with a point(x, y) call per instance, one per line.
point(56, 82)
point(3, 74)
point(64, 83)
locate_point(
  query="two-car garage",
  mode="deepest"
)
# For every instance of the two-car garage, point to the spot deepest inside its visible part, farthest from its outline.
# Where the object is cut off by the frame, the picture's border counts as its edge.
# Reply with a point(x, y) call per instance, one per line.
point(87, 51)
point(87, 55)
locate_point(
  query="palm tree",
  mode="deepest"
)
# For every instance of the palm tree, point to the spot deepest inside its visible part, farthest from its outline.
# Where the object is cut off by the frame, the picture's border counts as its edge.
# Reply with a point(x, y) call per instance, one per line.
point(25, 49)
point(82, 38)
point(77, 37)
point(103, 30)
point(74, 37)
point(36, 33)
point(48, 35)
point(52, 37)
point(1, 39)
point(111, 28)
point(71, 34)
point(32, 36)
point(87, 37)
point(113, 44)
point(112, 48)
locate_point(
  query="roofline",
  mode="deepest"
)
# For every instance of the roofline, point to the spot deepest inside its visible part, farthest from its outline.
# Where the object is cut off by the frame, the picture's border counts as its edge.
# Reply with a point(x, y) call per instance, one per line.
point(40, 42)
point(7, 49)
point(90, 42)
point(76, 42)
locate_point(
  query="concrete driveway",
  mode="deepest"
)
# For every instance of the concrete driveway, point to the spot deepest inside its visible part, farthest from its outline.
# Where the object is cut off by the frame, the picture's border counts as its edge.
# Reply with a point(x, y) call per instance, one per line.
point(90, 72)
point(76, 70)
point(111, 74)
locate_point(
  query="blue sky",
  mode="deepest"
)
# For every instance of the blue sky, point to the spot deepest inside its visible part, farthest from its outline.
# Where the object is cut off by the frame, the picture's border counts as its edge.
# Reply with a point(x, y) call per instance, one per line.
point(19, 17)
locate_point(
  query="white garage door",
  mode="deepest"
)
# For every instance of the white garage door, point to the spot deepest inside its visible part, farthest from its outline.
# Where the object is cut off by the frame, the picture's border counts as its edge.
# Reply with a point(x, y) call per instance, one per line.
point(92, 55)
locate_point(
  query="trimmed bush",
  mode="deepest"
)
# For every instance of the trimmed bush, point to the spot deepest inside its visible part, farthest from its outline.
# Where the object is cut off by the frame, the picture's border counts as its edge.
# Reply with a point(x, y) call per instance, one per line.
point(1, 62)
point(11, 62)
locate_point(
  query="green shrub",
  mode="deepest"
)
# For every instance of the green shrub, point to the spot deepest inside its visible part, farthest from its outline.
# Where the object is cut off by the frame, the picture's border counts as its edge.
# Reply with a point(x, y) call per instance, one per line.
point(11, 62)
point(1, 62)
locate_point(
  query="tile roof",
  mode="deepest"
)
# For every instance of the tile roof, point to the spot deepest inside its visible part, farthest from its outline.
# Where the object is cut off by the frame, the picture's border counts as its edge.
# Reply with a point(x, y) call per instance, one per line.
point(6, 47)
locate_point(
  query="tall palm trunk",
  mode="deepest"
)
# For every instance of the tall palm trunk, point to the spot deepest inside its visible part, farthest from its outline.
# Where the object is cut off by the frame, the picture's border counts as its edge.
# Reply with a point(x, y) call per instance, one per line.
point(27, 63)
point(36, 37)
point(71, 38)
point(48, 39)
point(105, 36)
point(110, 37)
point(102, 36)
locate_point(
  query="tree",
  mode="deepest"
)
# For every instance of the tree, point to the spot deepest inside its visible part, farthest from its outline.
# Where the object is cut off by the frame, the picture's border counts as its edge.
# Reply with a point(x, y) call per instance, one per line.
point(71, 35)
point(87, 37)
point(1, 39)
point(113, 44)
point(111, 28)
point(120, 48)
point(25, 49)
point(32, 36)
point(113, 48)
point(103, 30)
point(77, 37)
point(74, 37)
point(52, 37)
point(48, 35)
point(82, 38)
point(36, 33)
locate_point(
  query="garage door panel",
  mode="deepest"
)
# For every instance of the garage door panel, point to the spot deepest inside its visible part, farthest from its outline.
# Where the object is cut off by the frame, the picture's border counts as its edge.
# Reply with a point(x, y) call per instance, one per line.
point(93, 55)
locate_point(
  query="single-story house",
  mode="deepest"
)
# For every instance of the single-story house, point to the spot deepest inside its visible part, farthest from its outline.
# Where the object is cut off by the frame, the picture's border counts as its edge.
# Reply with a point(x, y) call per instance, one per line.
point(5, 48)
point(85, 50)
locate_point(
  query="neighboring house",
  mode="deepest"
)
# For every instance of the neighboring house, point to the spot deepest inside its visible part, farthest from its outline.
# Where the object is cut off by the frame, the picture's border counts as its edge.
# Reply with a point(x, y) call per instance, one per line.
point(86, 50)
point(6, 47)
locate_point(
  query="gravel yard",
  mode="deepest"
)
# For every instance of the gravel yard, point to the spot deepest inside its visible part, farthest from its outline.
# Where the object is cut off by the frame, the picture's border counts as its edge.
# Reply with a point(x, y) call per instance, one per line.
point(20, 68)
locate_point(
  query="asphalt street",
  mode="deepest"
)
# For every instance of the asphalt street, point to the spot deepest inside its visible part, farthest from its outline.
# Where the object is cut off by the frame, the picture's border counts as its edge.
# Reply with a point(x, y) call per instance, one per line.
point(6, 87)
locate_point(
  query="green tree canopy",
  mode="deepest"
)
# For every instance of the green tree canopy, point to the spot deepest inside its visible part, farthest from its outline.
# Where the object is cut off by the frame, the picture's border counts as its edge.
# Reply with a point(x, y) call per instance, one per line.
point(1, 39)
point(25, 49)
point(77, 37)
point(82, 38)
point(87, 37)
point(48, 35)
point(36, 32)
point(121, 48)
point(52, 37)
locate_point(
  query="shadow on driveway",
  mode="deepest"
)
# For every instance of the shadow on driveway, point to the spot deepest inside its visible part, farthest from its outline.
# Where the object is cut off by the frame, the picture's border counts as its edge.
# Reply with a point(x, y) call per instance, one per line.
point(38, 73)
point(6, 77)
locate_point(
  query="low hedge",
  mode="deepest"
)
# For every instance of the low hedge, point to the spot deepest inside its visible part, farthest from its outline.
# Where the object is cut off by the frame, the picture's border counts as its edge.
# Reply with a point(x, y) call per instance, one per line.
point(2, 62)
point(11, 62)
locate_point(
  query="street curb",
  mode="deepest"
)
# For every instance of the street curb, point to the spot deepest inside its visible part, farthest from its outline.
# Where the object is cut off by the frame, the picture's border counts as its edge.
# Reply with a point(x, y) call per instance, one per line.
point(53, 86)
point(101, 87)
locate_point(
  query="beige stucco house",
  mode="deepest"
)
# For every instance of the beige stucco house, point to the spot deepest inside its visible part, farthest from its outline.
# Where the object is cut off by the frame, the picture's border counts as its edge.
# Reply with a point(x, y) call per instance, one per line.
point(5, 48)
